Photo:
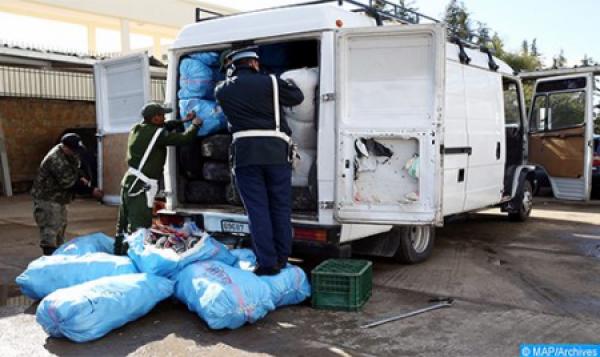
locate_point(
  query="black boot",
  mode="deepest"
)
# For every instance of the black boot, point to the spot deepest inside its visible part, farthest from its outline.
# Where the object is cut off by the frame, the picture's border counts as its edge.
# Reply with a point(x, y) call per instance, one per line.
point(48, 250)
point(120, 245)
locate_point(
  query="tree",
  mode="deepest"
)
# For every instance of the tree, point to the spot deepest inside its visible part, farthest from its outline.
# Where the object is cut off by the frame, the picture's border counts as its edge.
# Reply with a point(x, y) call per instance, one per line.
point(534, 49)
point(588, 61)
point(525, 48)
point(405, 9)
point(559, 61)
point(483, 35)
point(497, 45)
point(458, 19)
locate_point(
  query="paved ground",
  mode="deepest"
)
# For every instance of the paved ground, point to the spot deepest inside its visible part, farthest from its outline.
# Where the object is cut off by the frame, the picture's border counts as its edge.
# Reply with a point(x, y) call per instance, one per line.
point(513, 283)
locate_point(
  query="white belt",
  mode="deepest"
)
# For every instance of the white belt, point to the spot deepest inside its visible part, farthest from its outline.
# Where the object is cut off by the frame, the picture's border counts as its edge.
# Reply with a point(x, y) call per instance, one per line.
point(262, 134)
point(150, 188)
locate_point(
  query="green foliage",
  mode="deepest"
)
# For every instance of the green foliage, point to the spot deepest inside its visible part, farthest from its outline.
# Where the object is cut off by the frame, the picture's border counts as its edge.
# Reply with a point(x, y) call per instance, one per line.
point(458, 19)
point(405, 10)
point(559, 61)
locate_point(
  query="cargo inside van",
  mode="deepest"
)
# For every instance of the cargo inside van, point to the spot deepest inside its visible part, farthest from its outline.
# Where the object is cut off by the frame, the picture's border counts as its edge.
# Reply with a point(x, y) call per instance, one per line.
point(204, 178)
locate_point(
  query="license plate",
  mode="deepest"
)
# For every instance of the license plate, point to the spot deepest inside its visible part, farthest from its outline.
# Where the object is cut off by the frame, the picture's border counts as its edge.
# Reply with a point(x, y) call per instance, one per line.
point(235, 227)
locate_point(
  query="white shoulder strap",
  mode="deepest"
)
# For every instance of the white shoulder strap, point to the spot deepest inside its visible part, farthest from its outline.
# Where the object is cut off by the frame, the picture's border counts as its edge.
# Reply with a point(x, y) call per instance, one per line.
point(276, 101)
point(149, 149)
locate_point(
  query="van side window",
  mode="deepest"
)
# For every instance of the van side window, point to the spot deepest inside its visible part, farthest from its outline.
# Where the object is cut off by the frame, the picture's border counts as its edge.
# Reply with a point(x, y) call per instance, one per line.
point(512, 107)
point(566, 110)
point(538, 114)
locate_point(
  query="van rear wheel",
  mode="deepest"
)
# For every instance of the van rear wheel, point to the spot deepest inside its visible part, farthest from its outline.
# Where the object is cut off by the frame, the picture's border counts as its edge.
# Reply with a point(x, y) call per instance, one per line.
point(416, 244)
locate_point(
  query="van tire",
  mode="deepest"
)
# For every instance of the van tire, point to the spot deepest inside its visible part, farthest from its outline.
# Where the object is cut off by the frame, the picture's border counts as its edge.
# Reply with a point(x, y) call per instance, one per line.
point(525, 204)
point(416, 244)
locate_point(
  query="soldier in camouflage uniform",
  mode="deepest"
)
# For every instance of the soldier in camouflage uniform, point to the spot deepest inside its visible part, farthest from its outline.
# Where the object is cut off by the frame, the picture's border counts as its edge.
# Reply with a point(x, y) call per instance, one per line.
point(53, 190)
point(136, 207)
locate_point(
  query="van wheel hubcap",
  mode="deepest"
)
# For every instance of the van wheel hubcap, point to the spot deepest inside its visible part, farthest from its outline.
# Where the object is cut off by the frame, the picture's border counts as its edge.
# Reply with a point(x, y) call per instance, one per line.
point(419, 238)
point(527, 201)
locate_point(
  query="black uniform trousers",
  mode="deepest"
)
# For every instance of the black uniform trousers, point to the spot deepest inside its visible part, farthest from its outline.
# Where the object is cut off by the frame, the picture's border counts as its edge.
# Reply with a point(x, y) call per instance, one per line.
point(266, 191)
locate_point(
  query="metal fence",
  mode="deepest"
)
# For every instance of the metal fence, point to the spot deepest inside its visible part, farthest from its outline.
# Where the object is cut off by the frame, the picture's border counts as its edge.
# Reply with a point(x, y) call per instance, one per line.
point(54, 84)
point(50, 84)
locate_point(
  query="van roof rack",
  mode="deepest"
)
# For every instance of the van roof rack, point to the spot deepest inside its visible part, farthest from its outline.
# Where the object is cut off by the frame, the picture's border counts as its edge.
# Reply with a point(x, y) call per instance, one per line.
point(380, 10)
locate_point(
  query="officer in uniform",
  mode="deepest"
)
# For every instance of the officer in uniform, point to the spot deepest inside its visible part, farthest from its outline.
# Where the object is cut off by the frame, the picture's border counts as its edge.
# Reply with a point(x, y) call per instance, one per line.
point(53, 188)
point(146, 155)
point(261, 153)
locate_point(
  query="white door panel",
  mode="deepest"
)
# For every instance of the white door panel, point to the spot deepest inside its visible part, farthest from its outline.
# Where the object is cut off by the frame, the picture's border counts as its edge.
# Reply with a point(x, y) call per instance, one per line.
point(122, 88)
point(485, 113)
point(455, 139)
point(390, 93)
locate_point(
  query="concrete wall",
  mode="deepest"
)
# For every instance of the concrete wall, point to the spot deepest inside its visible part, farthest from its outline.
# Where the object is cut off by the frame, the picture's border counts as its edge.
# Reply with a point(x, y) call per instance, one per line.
point(32, 126)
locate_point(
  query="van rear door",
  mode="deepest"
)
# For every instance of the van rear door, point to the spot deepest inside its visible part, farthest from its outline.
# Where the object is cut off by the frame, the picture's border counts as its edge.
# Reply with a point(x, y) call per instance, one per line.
point(389, 113)
point(561, 133)
point(122, 88)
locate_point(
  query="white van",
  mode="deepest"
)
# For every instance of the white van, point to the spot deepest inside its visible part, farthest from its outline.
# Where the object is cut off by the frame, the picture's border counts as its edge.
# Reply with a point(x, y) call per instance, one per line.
point(403, 87)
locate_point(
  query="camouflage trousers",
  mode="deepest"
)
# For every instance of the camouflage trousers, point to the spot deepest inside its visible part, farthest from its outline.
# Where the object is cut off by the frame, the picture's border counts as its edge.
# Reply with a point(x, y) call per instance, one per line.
point(51, 218)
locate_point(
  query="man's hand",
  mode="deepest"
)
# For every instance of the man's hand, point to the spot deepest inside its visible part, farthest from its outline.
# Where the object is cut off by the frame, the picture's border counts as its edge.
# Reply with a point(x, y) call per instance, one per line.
point(97, 193)
point(85, 182)
point(191, 115)
point(197, 121)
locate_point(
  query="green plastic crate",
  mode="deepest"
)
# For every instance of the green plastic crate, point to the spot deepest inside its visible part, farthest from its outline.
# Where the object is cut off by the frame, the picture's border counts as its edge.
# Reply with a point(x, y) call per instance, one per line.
point(342, 284)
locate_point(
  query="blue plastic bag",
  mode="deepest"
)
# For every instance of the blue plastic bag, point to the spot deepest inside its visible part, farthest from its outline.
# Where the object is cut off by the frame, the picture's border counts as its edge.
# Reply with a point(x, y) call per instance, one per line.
point(166, 262)
point(214, 119)
point(197, 77)
point(289, 287)
point(50, 273)
point(210, 59)
point(246, 259)
point(91, 243)
point(89, 311)
point(223, 296)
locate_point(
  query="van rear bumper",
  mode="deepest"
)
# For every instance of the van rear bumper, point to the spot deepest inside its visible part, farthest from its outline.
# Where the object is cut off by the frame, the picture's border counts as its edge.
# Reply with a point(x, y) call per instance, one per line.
point(310, 238)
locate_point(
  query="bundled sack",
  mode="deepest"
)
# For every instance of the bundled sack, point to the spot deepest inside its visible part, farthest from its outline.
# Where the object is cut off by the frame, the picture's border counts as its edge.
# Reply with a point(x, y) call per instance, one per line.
point(301, 171)
point(214, 119)
point(246, 259)
point(304, 134)
point(307, 80)
point(289, 287)
point(91, 310)
point(50, 273)
point(197, 75)
point(91, 243)
point(223, 296)
point(163, 261)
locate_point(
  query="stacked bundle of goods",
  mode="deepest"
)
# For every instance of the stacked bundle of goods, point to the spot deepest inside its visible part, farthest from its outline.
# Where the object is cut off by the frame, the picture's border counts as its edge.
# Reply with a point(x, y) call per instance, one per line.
point(205, 162)
point(301, 120)
point(198, 75)
point(87, 292)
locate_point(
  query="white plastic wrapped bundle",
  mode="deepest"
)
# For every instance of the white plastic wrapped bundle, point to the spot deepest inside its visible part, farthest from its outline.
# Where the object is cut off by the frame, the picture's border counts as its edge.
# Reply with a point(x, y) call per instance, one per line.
point(306, 79)
point(303, 134)
point(302, 170)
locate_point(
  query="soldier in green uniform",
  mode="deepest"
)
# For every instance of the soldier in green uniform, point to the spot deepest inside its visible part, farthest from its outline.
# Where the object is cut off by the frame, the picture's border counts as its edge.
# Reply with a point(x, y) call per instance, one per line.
point(53, 190)
point(146, 155)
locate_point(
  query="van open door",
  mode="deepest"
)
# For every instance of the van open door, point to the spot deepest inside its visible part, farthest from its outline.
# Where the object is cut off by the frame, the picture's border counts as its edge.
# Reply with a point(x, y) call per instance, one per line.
point(122, 88)
point(389, 111)
point(561, 133)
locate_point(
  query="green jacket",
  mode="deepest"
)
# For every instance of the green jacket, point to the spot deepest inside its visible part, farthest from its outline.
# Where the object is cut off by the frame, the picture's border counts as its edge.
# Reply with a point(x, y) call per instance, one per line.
point(139, 139)
point(57, 175)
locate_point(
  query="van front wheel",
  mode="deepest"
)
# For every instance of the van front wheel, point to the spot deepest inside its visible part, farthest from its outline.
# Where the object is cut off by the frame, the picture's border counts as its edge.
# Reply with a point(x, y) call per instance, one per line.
point(525, 204)
point(416, 244)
